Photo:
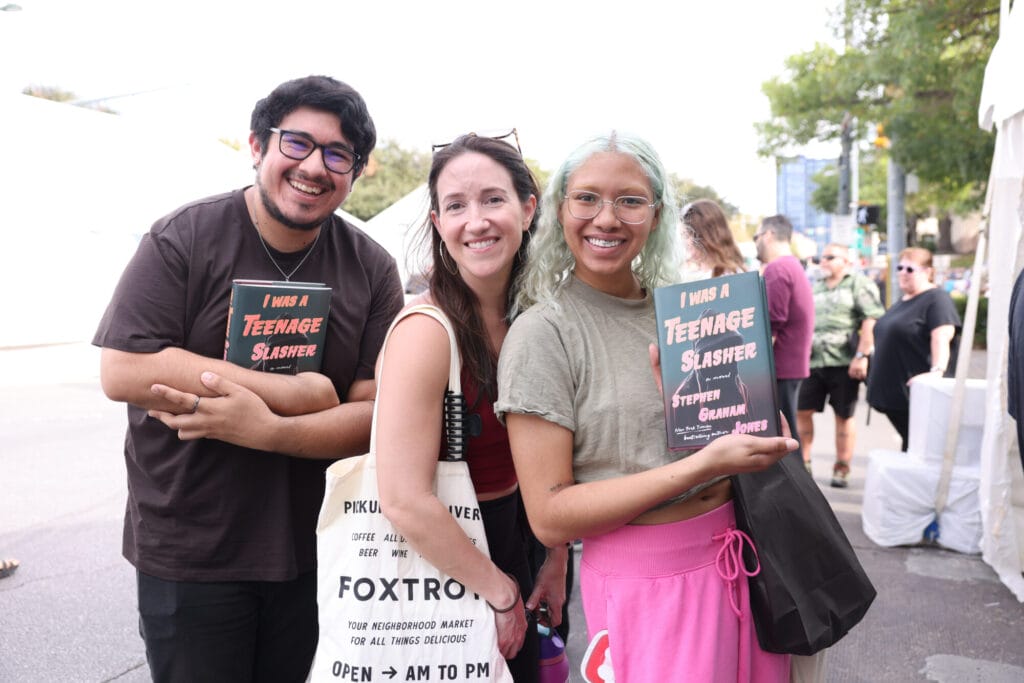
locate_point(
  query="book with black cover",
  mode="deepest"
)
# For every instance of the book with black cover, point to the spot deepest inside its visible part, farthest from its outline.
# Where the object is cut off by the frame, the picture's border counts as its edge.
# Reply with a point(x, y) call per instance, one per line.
point(277, 326)
point(717, 364)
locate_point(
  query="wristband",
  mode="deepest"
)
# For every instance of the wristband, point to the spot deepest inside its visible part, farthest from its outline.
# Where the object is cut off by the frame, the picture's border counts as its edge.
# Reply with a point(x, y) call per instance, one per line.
point(936, 368)
point(515, 600)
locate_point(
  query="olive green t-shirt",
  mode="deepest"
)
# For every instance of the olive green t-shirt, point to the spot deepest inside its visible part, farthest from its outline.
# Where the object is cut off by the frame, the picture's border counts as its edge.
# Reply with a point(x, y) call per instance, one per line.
point(581, 362)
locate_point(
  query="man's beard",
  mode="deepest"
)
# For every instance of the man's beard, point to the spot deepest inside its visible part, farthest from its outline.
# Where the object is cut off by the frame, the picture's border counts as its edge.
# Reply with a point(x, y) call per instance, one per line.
point(276, 213)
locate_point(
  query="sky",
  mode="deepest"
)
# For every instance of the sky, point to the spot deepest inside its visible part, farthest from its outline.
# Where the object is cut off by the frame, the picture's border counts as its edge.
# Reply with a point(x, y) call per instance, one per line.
point(684, 74)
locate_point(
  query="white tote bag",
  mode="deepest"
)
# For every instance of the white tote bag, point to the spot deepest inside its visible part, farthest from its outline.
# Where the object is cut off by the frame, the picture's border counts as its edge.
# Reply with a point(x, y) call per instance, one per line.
point(386, 614)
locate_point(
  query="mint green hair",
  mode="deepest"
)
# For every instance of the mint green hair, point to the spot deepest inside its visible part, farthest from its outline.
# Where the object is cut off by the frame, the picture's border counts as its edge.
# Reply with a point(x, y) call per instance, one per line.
point(549, 261)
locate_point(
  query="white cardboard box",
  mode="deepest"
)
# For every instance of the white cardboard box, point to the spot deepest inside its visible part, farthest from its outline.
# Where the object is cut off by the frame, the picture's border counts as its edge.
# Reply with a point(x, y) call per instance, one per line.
point(931, 398)
point(899, 502)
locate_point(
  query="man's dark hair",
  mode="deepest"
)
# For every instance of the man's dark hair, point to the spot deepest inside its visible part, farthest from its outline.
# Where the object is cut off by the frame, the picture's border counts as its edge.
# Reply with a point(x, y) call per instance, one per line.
point(323, 93)
point(780, 226)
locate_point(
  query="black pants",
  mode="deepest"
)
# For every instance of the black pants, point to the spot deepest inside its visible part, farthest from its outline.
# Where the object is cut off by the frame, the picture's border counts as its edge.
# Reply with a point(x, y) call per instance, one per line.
point(900, 419)
point(789, 389)
point(508, 539)
point(228, 632)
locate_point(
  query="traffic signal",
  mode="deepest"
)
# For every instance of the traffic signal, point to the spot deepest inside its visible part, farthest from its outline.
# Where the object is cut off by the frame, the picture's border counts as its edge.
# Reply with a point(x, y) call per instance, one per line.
point(867, 214)
point(881, 141)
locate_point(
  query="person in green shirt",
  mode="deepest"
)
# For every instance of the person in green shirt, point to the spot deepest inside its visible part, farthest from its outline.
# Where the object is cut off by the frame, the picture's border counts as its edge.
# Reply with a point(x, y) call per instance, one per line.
point(846, 305)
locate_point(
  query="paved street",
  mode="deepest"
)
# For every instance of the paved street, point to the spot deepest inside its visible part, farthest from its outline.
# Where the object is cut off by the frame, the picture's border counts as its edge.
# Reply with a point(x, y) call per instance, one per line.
point(68, 614)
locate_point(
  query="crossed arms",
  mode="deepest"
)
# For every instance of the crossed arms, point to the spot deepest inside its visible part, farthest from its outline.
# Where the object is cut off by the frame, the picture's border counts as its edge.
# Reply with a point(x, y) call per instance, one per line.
point(300, 415)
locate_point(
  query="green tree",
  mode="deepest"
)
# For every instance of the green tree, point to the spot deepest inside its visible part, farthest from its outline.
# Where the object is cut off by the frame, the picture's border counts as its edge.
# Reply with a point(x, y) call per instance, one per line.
point(872, 170)
point(394, 172)
point(688, 191)
point(539, 173)
point(914, 66)
point(391, 173)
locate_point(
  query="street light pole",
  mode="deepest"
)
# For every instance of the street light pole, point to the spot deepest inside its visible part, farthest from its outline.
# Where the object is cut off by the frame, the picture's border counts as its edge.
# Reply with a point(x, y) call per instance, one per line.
point(896, 220)
point(843, 200)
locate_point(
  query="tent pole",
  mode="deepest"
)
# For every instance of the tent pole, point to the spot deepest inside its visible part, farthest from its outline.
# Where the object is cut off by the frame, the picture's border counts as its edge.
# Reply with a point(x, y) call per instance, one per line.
point(963, 359)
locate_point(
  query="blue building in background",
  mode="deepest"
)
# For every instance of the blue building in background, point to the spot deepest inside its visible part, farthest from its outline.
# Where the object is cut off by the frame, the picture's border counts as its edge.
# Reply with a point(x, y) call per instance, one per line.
point(793, 190)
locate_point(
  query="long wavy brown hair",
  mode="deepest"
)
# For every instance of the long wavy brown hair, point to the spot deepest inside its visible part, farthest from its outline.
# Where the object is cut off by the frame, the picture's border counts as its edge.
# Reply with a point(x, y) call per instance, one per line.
point(707, 230)
point(448, 290)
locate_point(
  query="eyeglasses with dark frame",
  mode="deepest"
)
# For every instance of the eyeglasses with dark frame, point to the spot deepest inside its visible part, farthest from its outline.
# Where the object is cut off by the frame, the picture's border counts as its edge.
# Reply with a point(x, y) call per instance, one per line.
point(511, 134)
point(298, 146)
point(585, 206)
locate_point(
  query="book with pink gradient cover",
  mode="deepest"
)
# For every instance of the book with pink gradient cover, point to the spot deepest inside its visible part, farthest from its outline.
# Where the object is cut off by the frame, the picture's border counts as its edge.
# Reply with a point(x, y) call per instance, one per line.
point(717, 364)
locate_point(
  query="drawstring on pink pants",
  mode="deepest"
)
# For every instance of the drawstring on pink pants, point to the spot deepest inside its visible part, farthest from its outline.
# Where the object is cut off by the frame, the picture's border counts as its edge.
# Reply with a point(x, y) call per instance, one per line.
point(729, 562)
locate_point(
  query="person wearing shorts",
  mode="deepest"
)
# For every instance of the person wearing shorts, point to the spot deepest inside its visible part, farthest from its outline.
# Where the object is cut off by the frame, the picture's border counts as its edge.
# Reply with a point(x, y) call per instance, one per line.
point(846, 305)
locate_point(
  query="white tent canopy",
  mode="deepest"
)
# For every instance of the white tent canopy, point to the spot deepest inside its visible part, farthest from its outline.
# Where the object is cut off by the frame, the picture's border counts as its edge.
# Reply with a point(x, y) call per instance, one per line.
point(1002, 483)
point(395, 228)
point(80, 188)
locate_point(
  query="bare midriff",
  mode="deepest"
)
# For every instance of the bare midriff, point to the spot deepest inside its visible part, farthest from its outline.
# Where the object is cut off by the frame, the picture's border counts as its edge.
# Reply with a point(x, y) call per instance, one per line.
point(705, 501)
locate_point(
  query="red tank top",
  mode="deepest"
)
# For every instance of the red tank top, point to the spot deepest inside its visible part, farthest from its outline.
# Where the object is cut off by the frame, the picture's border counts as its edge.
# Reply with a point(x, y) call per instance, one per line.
point(488, 452)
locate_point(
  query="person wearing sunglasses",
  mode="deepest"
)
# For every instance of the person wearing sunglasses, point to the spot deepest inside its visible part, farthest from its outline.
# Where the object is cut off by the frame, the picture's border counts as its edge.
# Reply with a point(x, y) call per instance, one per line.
point(586, 423)
point(846, 305)
point(226, 464)
point(915, 336)
point(483, 212)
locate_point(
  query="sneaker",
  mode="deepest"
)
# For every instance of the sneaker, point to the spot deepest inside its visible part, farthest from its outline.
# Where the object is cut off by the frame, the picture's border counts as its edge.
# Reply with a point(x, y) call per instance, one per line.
point(840, 474)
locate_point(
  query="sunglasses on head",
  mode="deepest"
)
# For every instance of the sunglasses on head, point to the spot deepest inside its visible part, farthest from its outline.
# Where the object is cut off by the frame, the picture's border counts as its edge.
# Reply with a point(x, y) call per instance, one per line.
point(514, 133)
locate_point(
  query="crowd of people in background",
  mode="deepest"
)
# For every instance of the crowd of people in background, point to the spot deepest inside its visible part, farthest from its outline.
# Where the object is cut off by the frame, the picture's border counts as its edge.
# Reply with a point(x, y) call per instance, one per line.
point(836, 314)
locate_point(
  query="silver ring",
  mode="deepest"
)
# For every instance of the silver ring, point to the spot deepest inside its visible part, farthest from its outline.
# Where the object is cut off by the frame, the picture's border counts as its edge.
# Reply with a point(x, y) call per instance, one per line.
point(195, 406)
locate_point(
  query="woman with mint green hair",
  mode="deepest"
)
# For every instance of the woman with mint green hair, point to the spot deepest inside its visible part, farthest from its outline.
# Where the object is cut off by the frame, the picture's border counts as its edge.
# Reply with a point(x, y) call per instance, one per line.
point(661, 574)
point(551, 258)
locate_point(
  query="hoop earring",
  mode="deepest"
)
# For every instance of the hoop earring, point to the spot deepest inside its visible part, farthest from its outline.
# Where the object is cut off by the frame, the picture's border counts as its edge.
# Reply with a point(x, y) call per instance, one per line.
point(454, 270)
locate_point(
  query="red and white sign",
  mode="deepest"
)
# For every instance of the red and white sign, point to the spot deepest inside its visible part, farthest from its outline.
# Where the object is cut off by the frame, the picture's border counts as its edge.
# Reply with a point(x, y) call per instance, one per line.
point(597, 662)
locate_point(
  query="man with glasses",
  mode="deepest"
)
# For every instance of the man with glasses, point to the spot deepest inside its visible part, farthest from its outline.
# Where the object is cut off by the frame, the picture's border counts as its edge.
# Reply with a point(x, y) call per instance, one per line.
point(790, 310)
point(846, 305)
point(226, 464)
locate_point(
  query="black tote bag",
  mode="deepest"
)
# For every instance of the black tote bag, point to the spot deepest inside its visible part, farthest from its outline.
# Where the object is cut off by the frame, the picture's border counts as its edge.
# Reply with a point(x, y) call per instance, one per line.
point(811, 589)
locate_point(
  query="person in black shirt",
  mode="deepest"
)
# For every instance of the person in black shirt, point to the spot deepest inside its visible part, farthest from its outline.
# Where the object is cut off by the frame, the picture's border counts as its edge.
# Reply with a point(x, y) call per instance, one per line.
point(915, 336)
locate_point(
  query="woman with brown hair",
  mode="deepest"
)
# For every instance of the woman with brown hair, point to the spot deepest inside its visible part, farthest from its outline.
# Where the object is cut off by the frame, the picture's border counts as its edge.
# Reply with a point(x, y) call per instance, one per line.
point(483, 211)
point(711, 249)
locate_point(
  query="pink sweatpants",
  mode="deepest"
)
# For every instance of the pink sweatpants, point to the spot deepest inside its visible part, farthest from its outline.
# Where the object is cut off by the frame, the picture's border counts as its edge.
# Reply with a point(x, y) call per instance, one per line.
point(675, 602)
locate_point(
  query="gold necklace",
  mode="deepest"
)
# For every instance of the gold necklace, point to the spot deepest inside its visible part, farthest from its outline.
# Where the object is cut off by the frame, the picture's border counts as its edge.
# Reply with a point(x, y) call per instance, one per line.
point(259, 233)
